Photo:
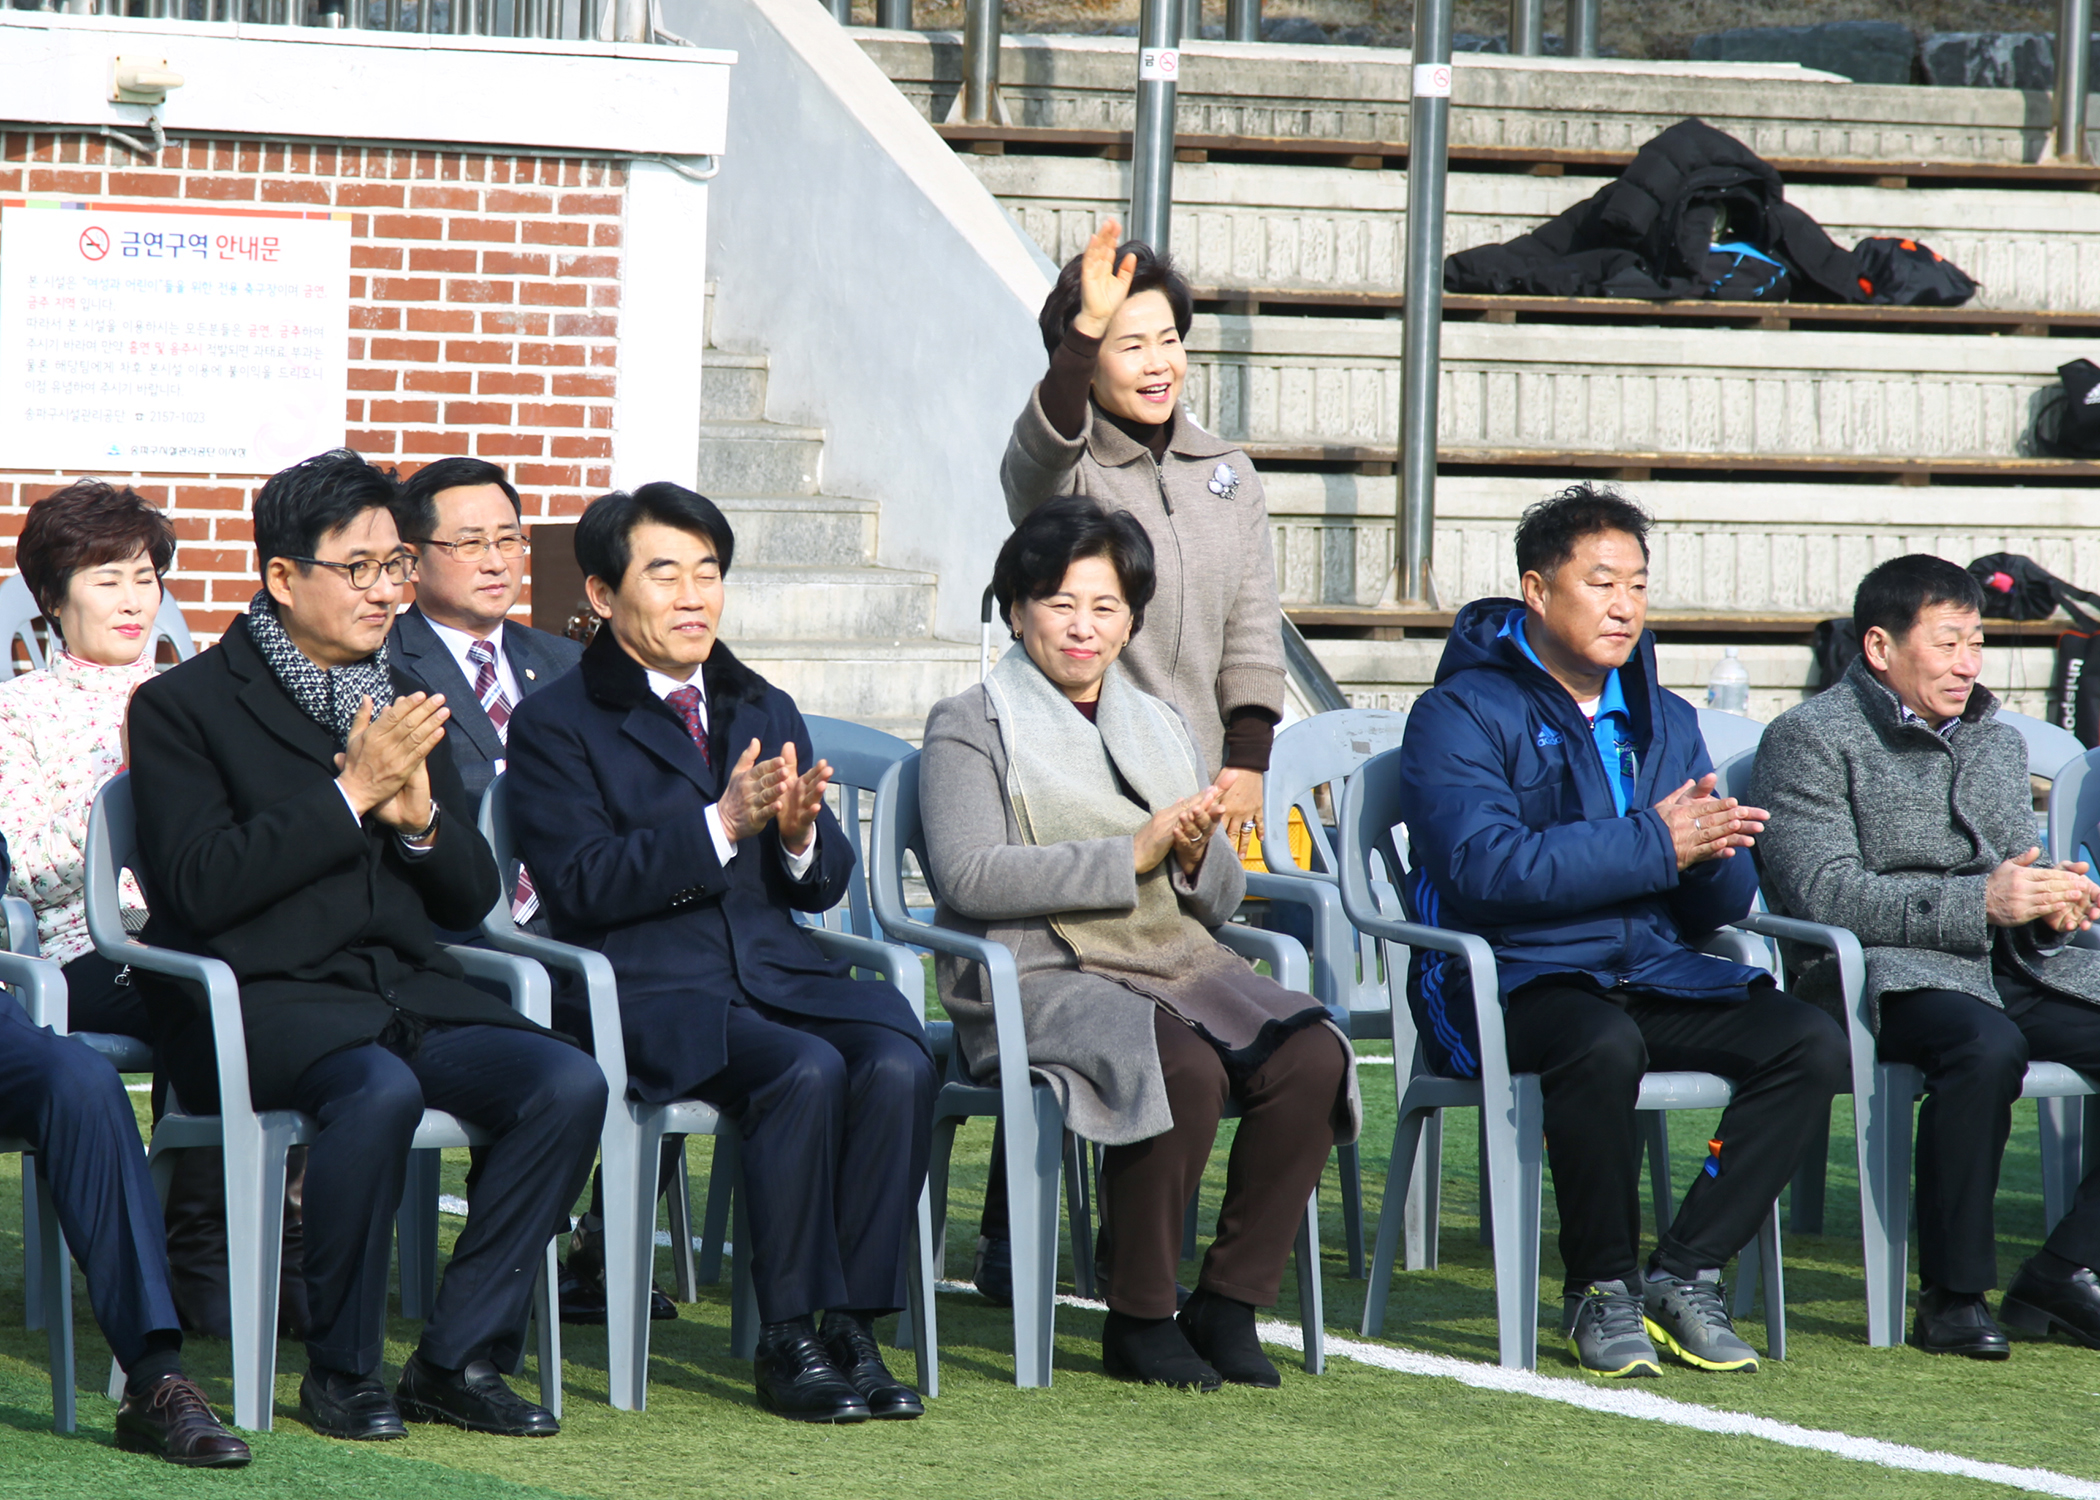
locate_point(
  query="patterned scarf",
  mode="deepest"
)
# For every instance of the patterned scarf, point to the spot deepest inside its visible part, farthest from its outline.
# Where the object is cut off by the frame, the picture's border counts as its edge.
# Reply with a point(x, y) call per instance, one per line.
point(328, 695)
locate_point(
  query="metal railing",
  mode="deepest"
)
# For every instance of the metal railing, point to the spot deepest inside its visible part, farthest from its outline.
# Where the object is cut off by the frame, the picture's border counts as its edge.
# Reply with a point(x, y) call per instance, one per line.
point(551, 20)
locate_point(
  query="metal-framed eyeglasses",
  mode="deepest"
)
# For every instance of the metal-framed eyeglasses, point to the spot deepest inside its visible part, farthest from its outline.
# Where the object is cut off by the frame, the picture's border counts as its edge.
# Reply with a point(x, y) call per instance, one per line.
point(474, 548)
point(363, 573)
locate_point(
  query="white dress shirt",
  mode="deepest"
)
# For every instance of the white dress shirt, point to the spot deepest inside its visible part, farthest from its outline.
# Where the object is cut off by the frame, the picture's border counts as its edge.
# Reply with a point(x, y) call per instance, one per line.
point(725, 847)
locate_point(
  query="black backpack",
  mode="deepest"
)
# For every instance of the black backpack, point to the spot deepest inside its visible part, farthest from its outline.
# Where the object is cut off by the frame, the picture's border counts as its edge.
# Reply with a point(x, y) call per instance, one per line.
point(2019, 588)
point(2067, 423)
point(1836, 644)
point(1909, 274)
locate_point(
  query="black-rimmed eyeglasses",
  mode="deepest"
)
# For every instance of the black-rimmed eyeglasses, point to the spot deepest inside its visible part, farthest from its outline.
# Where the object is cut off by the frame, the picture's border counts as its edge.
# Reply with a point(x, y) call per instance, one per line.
point(474, 548)
point(366, 570)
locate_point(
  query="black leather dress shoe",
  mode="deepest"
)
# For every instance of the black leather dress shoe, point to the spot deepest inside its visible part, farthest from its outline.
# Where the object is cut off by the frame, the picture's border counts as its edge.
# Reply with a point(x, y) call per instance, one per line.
point(797, 1380)
point(1221, 1331)
point(345, 1406)
point(474, 1398)
point(170, 1419)
point(581, 1289)
point(2038, 1304)
point(1957, 1323)
point(1155, 1351)
point(851, 1346)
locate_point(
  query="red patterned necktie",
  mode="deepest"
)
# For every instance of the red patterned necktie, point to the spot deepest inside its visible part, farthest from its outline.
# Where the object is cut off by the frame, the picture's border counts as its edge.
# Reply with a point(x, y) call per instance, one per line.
point(488, 687)
point(686, 701)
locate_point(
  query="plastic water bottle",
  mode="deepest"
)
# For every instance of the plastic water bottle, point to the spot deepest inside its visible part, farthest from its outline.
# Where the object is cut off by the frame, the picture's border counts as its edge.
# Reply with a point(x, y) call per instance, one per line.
point(1729, 688)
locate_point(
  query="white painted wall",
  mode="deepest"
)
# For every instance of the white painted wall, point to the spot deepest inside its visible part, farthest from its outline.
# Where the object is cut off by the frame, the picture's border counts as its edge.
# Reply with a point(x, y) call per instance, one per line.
point(894, 298)
point(370, 86)
point(663, 307)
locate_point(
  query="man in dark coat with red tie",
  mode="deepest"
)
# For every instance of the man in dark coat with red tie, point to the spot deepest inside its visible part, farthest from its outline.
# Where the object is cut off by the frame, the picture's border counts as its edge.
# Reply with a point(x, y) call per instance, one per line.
point(661, 799)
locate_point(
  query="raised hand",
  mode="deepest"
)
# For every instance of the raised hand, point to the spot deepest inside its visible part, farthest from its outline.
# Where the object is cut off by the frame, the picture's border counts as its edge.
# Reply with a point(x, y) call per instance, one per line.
point(1102, 283)
point(801, 799)
point(751, 799)
point(386, 751)
point(1199, 815)
point(1704, 826)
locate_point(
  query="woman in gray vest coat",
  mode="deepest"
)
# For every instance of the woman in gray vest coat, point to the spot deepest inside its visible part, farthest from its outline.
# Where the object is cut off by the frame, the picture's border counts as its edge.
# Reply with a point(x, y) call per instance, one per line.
point(1070, 817)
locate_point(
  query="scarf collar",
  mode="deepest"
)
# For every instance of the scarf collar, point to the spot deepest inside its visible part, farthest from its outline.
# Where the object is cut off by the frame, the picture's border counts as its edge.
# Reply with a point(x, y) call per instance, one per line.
point(327, 695)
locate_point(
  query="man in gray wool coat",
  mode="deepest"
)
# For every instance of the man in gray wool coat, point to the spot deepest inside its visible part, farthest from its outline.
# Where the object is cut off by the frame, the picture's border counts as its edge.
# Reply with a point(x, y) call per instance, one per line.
point(1901, 809)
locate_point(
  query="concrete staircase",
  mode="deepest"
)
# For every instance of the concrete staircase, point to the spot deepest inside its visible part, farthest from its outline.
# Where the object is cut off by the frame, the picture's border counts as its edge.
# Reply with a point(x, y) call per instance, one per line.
point(1780, 461)
point(808, 607)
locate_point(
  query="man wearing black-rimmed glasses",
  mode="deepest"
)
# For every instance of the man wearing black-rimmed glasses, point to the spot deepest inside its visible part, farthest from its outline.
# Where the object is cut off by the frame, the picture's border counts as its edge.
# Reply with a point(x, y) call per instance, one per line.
point(294, 822)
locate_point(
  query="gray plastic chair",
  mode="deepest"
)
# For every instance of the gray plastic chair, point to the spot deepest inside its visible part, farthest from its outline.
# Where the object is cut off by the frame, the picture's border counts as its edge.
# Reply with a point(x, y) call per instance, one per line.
point(1883, 1095)
point(19, 615)
point(1511, 1104)
point(255, 1141)
point(1034, 1122)
point(40, 986)
point(1727, 735)
point(1325, 751)
point(858, 755)
point(2049, 747)
point(631, 1147)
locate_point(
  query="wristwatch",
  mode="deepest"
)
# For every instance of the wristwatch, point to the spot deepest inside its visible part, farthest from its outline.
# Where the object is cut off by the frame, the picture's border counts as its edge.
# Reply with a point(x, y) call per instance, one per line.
point(423, 833)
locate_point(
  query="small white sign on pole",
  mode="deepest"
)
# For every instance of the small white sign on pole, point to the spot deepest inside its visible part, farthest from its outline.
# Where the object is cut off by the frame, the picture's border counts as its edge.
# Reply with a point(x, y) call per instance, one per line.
point(186, 342)
point(1159, 64)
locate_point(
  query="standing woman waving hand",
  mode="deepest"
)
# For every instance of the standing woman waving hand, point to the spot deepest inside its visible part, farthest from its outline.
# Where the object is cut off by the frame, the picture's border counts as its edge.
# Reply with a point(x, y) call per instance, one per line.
point(1107, 422)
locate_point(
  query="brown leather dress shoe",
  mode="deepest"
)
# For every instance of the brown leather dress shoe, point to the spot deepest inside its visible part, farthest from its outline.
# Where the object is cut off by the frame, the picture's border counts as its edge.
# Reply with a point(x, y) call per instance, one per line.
point(171, 1419)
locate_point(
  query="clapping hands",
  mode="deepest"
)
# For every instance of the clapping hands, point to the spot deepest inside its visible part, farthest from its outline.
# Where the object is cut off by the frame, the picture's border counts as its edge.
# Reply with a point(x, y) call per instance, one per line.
point(1184, 828)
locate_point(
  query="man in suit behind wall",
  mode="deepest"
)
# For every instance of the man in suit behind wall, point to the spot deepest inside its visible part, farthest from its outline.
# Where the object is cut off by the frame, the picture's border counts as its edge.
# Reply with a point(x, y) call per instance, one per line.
point(462, 517)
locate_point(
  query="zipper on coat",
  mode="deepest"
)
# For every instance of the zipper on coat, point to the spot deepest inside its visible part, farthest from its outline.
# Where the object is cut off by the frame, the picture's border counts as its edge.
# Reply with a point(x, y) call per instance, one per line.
point(1159, 477)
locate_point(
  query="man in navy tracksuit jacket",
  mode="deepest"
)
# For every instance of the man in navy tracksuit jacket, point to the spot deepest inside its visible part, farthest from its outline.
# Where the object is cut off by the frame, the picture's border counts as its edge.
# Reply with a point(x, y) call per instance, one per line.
point(1559, 803)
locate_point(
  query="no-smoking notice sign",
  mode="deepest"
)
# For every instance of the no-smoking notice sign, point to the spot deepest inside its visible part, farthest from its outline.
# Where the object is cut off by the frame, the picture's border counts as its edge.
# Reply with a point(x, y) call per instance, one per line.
point(170, 342)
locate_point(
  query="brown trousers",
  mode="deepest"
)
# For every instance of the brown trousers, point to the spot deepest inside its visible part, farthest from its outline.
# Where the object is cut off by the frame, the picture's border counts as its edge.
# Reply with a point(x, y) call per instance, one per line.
point(1286, 1130)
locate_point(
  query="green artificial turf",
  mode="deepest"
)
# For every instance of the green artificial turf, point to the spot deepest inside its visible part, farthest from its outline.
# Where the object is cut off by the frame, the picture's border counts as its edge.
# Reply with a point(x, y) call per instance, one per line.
point(1355, 1431)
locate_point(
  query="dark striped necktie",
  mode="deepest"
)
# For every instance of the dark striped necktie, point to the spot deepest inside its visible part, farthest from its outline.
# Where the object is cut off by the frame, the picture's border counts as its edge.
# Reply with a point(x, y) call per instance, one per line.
point(488, 687)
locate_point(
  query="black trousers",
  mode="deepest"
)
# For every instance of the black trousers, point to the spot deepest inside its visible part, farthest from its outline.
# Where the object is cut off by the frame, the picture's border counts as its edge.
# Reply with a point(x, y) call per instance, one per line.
point(1787, 1060)
point(65, 1099)
point(835, 1120)
point(542, 1100)
point(1974, 1057)
point(96, 999)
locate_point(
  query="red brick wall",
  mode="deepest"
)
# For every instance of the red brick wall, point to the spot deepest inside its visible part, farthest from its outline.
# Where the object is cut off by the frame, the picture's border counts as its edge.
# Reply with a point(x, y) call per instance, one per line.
point(484, 318)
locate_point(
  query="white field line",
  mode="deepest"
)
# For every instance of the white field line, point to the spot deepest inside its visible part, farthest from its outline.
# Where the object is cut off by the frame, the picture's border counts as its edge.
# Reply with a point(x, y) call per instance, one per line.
point(1641, 1406)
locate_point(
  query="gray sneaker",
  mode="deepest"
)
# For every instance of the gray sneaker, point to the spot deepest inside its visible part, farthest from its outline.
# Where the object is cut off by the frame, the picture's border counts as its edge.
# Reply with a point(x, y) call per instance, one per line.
point(1610, 1337)
point(1691, 1319)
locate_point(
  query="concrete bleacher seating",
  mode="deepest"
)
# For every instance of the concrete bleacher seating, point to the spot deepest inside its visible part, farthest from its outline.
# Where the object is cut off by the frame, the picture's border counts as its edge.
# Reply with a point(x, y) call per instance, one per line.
point(1784, 449)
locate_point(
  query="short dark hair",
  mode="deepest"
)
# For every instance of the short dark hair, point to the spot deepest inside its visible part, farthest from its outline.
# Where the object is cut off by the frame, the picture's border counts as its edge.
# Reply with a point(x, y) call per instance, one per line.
point(298, 506)
point(1155, 273)
point(1549, 530)
point(85, 525)
point(1033, 562)
point(1894, 594)
point(604, 535)
point(415, 504)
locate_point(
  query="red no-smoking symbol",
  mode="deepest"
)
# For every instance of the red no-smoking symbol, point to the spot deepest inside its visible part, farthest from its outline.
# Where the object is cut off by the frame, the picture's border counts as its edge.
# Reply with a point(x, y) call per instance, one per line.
point(94, 243)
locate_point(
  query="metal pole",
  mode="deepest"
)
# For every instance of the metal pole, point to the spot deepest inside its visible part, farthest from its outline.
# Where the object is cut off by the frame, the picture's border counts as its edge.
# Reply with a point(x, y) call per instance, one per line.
point(631, 21)
point(1152, 144)
point(1582, 29)
point(1527, 27)
point(2074, 31)
point(981, 61)
point(893, 14)
point(1243, 20)
point(841, 11)
point(1192, 19)
point(1428, 130)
